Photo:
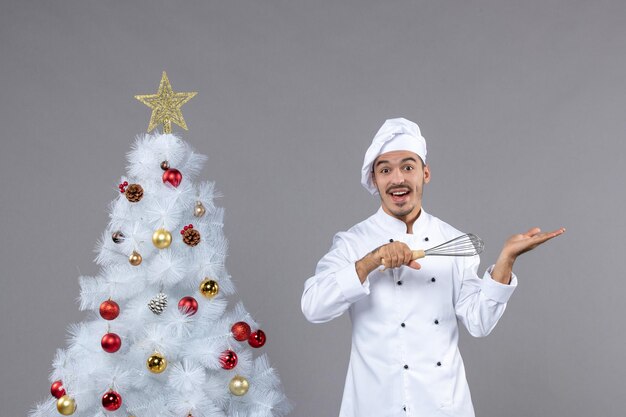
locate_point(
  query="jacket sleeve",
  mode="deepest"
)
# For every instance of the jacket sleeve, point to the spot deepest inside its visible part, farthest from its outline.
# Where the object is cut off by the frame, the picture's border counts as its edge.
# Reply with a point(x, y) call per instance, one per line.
point(481, 302)
point(335, 285)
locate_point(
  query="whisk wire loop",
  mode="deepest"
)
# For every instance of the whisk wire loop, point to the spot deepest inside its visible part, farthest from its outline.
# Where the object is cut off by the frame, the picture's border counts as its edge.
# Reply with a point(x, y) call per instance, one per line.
point(464, 245)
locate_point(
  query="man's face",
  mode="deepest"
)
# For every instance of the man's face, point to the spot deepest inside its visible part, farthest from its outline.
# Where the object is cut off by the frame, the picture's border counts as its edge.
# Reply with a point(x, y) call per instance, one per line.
point(399, 177)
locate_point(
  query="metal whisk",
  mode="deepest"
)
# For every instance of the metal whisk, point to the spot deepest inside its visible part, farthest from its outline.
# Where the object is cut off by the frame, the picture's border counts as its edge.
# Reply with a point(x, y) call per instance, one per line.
point(464, 245)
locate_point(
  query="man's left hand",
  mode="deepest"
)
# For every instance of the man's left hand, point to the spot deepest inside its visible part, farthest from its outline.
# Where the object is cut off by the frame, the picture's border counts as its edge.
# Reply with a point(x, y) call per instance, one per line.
point(517, 245)
point(522, 243)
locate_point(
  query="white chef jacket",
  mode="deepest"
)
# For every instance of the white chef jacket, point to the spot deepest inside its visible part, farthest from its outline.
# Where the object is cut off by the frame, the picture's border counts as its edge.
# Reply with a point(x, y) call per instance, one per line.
point(404, 359)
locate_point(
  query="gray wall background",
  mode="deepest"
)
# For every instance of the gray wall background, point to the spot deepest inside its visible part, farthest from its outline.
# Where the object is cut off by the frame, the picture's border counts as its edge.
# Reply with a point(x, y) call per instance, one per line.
point(522, 103)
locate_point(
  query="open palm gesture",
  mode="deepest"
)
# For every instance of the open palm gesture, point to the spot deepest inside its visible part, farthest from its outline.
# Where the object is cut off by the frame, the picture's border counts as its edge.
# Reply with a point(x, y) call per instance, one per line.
point(522, 243)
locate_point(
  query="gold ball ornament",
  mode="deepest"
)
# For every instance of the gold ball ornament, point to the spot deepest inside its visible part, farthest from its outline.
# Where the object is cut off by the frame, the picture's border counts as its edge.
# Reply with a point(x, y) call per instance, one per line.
point(238, 385)
point(209, 288)
point(156, 363)
point(66, 405)
point(199, 209)
point(135, 258)
point(162, 239)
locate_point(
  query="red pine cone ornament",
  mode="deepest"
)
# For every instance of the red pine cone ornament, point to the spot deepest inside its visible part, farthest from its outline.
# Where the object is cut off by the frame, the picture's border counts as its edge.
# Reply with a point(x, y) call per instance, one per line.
point(111, 342)
point(228, 359)
point(241, 331)
point(134, 193)
point(109, 310)
point(190, 235)
point(173, 176)
point(188, 305)
point(111, 400)
point(57, 390)
point(257, 339)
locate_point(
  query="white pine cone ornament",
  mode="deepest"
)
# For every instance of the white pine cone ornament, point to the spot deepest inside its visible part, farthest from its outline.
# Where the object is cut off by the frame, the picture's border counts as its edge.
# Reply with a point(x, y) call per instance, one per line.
point(158, 304)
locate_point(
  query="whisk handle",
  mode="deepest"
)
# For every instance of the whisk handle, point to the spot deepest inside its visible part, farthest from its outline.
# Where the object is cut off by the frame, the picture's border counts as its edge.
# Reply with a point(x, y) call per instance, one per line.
point(415, 254)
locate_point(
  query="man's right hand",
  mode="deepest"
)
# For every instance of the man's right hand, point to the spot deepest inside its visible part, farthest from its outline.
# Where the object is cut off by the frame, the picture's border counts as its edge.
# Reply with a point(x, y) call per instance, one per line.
point(390, 255)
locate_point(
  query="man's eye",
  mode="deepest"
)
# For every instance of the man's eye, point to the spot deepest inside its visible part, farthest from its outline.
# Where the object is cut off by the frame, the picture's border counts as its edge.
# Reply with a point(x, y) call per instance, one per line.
point(384, 171)
point(408, 168)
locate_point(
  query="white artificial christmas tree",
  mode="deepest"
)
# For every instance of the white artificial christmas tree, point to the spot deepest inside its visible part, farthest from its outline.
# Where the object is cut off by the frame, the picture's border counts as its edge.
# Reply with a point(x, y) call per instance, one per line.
point(160, 339)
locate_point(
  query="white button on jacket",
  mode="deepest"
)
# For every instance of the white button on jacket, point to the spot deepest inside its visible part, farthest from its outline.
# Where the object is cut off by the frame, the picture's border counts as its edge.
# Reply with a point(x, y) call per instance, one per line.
point(404, 359)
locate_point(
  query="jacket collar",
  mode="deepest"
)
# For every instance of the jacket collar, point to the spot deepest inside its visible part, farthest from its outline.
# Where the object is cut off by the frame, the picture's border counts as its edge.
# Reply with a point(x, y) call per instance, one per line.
point(397, 226)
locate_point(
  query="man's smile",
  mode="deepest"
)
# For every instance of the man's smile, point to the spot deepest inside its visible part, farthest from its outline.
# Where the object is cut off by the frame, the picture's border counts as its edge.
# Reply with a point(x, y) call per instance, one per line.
point(399, 194)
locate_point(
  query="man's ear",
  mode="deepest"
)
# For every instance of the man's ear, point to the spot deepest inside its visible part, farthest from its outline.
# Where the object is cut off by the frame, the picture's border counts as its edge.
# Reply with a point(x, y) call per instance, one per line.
point(426, 174)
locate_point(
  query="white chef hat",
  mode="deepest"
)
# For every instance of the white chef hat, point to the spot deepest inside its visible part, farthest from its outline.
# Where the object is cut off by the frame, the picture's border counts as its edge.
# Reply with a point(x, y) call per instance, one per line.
point(394, 135)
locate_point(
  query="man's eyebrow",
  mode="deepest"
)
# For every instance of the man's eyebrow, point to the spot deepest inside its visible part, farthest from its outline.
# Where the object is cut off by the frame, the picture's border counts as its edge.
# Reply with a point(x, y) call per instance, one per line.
point(384, 161)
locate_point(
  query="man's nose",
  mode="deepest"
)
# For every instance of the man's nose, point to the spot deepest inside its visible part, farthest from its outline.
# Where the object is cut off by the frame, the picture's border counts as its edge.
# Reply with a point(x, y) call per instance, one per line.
point(397, 176)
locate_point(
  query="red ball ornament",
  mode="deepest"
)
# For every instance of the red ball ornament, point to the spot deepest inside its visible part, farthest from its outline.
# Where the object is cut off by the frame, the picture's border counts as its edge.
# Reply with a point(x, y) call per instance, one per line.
point(188, 305)
point(111, 400)
point(111, 342)
point(173, 176)
point(257, 339)
point(109, 310)
point(241, 331)
point(57, 390)
point(228, 359)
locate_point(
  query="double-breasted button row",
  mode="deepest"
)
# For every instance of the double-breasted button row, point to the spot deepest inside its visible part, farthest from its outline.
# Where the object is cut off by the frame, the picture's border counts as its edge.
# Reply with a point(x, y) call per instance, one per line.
point(407, 366)
point(433, 279)
point(404, 324)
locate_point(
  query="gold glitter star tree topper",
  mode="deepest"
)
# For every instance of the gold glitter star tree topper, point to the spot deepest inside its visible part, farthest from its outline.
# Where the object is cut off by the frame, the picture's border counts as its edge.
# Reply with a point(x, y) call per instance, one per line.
point(165, 105)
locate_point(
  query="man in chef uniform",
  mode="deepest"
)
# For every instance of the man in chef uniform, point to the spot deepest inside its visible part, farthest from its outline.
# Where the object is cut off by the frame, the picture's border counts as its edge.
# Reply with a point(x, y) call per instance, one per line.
point(404, 359)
